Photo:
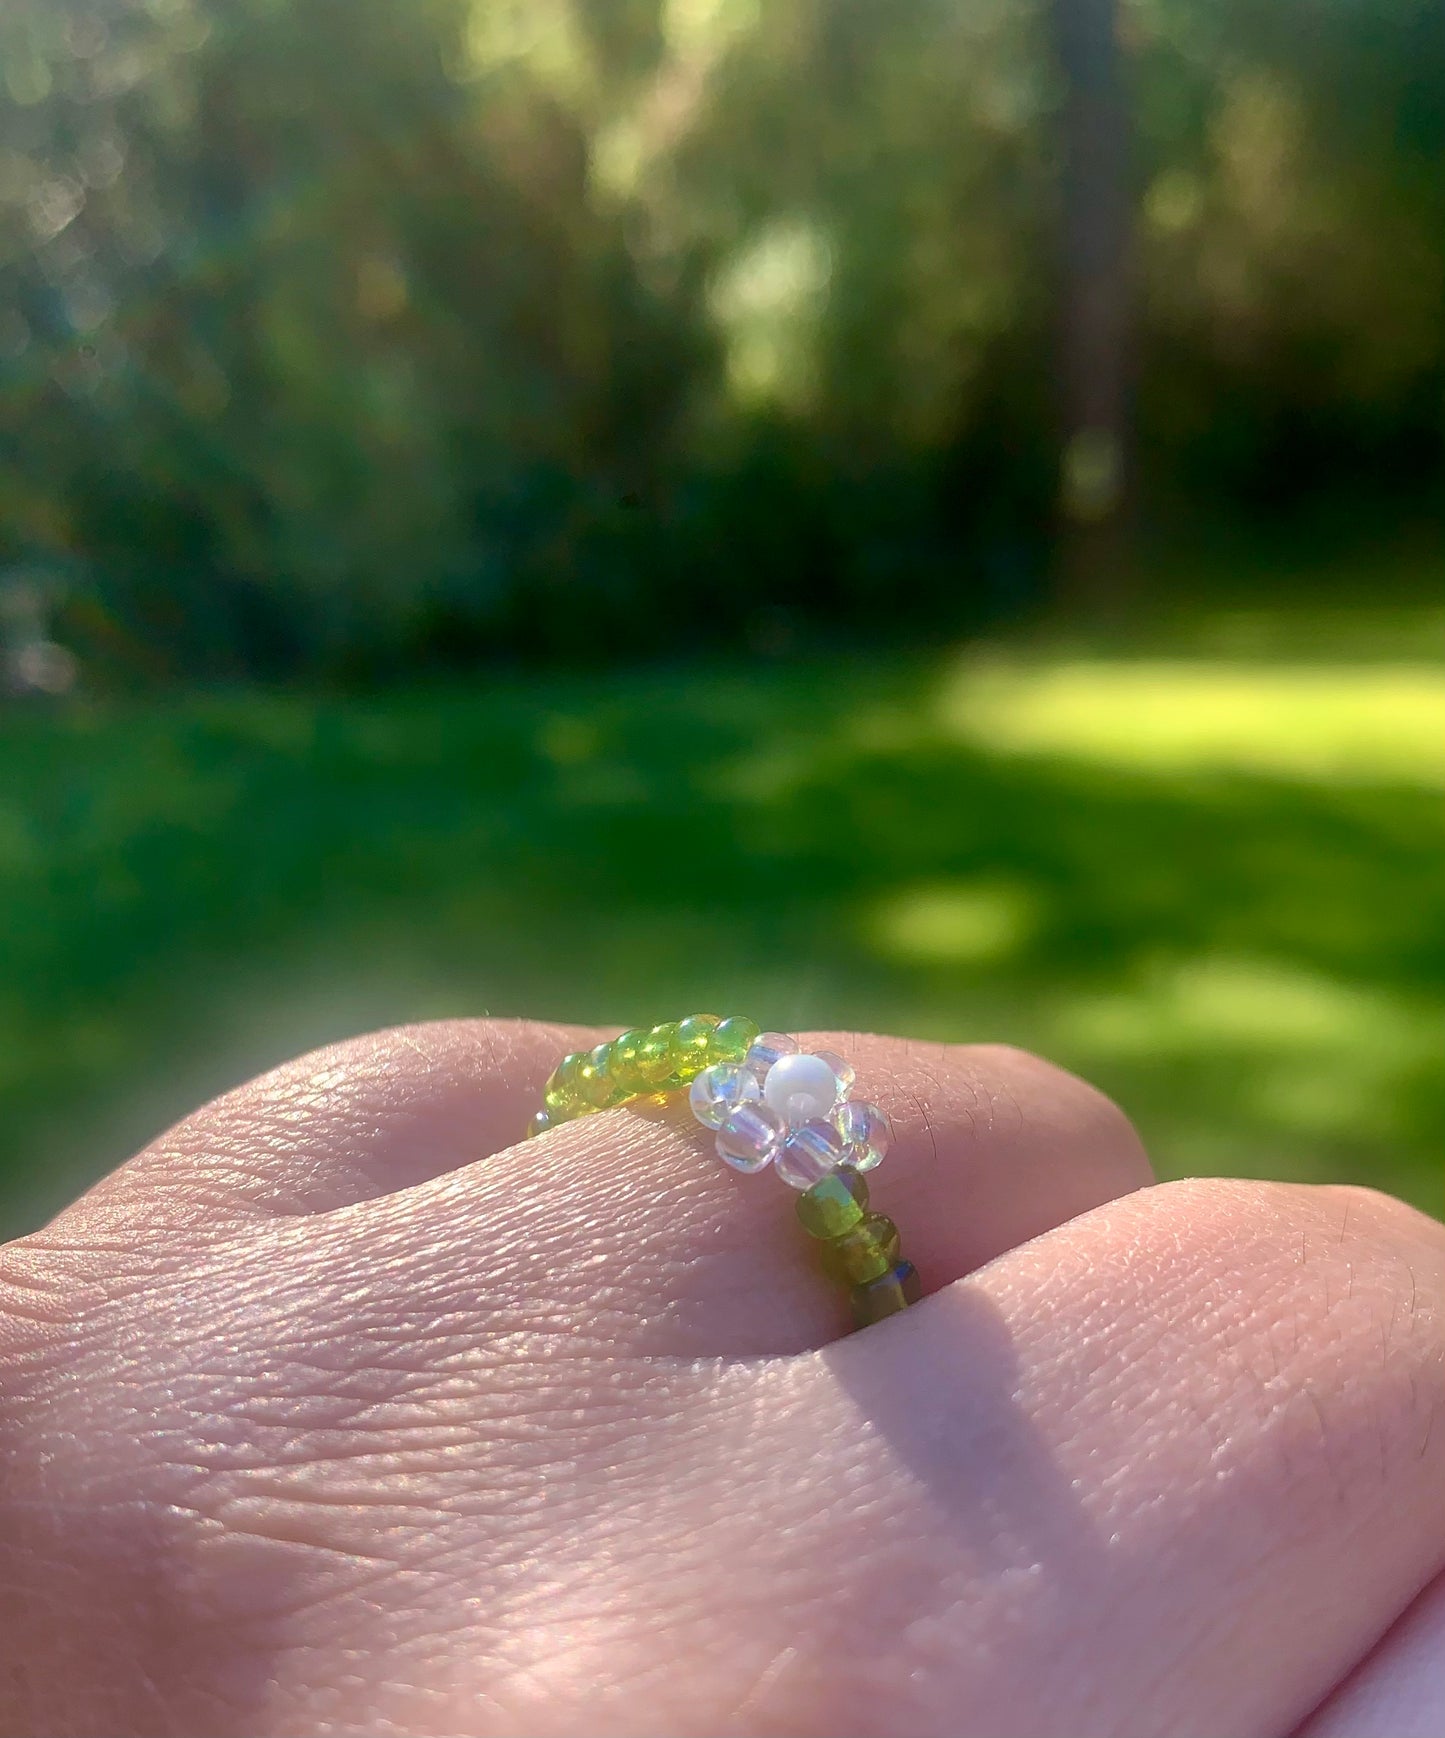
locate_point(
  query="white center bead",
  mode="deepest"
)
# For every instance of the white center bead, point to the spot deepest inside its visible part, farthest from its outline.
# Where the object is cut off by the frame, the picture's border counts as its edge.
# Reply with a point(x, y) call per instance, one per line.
point(801, 1088)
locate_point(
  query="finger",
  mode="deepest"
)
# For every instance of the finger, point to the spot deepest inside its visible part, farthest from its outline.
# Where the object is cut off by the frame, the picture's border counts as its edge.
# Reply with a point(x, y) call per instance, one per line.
point(341, 1125)
point(1165, 1471)
point(991, 1147)
point(1399, 1691)
point(626, 1225)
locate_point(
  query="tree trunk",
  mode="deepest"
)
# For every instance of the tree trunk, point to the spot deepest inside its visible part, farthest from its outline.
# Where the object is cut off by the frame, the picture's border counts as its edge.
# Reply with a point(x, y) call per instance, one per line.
point(1096, 460)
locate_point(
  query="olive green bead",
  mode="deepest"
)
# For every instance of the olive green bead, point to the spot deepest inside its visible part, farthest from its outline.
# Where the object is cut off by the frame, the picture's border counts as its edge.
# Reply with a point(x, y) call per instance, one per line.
point(866, 1252)
point(539, 1124)
point(733, 1038)
point(886, 1295)
point(654, 1054)
point(835, 1204)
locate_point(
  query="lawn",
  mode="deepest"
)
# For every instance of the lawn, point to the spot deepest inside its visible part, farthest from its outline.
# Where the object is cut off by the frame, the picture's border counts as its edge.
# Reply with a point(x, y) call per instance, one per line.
point(1210, 876)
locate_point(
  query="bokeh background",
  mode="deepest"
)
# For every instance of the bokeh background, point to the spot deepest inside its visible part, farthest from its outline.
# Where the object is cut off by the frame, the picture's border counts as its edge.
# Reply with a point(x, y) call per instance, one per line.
point(919, 514)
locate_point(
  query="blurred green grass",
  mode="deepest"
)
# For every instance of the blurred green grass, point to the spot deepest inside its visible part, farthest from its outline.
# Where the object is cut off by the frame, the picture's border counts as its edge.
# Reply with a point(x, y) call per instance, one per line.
point(1211, 879)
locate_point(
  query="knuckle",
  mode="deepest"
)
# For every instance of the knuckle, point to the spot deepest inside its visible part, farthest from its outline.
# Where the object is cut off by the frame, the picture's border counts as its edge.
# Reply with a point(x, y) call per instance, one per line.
point(1048, 1091)
point(1338, 1292)
point(1363, 1208)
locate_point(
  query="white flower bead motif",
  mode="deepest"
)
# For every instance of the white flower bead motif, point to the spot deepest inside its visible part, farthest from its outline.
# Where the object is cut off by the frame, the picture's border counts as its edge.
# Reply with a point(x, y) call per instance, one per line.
point(866, 1132)
point(808, 1154)
point(801, 1088)
point(718, 1089)
point(750, 1136)
point(766, 1050)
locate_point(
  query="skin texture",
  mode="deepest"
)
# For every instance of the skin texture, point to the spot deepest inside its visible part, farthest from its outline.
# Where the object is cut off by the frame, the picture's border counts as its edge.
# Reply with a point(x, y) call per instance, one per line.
point(336, 1411)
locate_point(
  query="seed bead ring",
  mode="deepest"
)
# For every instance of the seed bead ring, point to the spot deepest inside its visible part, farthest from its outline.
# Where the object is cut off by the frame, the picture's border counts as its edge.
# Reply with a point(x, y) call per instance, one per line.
point(767, 1102)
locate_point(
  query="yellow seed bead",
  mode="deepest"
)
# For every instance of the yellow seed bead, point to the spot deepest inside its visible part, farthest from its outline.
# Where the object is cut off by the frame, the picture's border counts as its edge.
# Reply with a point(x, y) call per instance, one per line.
point(733, 1038)
point(690, 1045)
point(694, 1034)
point(601, 1087)
point(560, 1093)
point(626, 1061)
point(594, 1083)
point(654, 1054)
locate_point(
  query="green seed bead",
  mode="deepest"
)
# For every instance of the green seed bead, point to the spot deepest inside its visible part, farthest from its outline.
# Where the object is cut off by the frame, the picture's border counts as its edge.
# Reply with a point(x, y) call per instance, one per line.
point(885, 1296)
point(866, 1252)
point(733, 1038)
point(560, 1093)
point(626, 1059)
point(557, 1097)
point(654, 1054)
point(835, 1204)
point(591, 1087)
point(595, 1086)
point(692, 1044)
point(604, 1060)
point(539, 1124)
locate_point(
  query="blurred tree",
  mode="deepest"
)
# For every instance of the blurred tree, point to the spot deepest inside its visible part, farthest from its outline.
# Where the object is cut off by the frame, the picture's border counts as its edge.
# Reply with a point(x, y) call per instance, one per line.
point(1294, 248)
point(338, 337)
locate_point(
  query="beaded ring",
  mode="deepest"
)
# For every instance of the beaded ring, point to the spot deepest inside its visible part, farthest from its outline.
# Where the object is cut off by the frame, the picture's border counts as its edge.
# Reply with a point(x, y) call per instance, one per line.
point(767, 1103)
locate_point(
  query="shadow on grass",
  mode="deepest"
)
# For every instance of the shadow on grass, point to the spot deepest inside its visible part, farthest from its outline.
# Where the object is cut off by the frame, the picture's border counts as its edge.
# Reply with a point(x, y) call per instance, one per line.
point(1254, 965)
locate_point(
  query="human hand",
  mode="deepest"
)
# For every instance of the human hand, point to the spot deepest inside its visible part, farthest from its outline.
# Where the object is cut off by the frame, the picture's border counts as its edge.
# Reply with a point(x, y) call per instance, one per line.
point(337, 1412)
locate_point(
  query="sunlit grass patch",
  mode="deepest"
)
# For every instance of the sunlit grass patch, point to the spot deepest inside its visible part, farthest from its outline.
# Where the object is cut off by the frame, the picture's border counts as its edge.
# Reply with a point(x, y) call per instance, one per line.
point(947, 924)
point(1250, 1005)
point(1303, 1055)
point(1371, 724)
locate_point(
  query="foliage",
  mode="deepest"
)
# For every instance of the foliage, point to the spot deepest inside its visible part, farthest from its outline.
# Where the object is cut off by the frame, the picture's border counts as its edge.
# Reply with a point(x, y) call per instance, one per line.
point(341, 336)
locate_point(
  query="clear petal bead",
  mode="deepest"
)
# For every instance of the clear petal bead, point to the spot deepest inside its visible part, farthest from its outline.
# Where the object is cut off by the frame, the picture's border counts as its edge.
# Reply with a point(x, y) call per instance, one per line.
point(843, 1070)
point(750, 1136)
point(717, 1089)
point(801, 1088)
point(766, 1049)
point(866, 1133)
point(809, 1154)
